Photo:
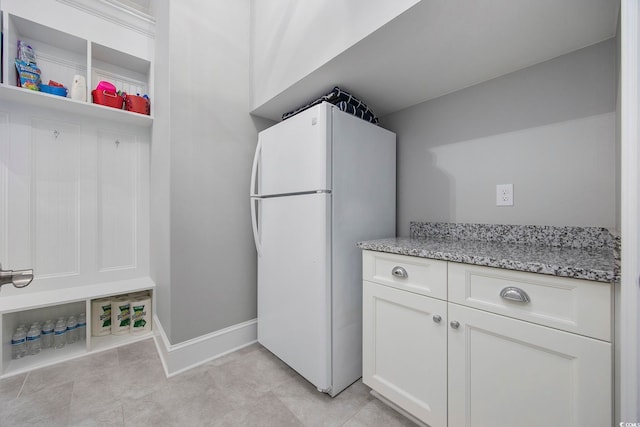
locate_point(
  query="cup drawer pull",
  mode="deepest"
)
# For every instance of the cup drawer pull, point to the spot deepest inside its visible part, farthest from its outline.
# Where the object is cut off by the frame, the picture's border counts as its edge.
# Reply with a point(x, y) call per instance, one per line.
point(515, 294)
point(399, 272)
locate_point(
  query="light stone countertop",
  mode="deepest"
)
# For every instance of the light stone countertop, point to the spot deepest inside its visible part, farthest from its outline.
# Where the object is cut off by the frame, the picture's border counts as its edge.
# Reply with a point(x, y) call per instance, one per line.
point(597, 262)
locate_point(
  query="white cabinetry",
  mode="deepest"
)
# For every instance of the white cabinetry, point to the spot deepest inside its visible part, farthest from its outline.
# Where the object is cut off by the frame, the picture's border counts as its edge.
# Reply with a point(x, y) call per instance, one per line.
point(405, 350)
point(60, 55)
point(405, 333)
point(541, 362)
point(506, 372)
point(41, 306)
point(74, 176)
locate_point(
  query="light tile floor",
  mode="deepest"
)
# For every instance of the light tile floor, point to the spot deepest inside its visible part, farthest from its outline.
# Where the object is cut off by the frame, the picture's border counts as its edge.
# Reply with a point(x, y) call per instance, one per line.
point(127, 387)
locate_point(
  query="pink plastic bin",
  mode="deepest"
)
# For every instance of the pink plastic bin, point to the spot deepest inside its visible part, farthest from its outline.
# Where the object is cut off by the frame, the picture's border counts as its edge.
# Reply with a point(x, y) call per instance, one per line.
point(106, 86)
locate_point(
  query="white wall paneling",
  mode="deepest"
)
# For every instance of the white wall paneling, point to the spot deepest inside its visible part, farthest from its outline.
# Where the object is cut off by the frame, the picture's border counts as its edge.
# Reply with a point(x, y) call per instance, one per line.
point(118, 193)
point(74, 199)
point(4, 183)
point(55, 198)
point(123, 83)
point(630, 210)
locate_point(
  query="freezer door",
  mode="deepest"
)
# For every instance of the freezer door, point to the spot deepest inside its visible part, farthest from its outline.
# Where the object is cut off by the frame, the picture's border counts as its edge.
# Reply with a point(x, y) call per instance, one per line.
point(294, 291)
point(295, 154)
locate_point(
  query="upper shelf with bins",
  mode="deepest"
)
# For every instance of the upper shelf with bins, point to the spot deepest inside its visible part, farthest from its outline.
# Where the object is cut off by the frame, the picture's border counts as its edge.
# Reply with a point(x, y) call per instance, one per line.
point(60, 56)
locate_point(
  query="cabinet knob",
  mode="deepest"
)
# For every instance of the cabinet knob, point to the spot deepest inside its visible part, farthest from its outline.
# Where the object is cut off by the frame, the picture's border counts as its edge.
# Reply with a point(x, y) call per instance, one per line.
point(437, 318)
point(399, 272)
point(455, 324)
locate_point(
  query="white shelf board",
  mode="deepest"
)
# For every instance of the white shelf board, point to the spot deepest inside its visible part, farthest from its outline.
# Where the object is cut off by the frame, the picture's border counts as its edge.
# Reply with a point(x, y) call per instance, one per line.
point(31, 300)
point(108, 342)
point(46, 357)
point(59, 103)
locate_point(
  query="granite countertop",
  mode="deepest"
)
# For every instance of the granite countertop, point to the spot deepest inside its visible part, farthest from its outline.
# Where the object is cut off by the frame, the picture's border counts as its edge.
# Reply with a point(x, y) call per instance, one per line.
point(585, 258)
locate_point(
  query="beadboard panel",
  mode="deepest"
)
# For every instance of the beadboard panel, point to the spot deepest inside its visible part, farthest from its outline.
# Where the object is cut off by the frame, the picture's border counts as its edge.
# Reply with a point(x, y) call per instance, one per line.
point(55, 198)
point(73, 199)
point(123, 83)
point(117, 200)
point(4, 183)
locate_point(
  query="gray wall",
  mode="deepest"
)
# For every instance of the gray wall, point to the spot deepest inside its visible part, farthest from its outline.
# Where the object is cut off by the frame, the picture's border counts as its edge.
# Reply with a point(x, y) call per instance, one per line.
point(548, 129)
point(205, 141)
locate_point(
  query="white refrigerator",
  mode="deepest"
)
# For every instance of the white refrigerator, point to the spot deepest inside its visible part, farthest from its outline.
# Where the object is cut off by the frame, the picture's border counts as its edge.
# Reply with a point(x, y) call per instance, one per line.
point(321, 181)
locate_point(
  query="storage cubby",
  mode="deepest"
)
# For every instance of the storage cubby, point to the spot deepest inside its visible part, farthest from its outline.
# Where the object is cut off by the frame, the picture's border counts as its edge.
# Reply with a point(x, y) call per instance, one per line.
point(128, 73)
point(47, 356)
point(98, 343)
point(15, 310)
point(60, 56)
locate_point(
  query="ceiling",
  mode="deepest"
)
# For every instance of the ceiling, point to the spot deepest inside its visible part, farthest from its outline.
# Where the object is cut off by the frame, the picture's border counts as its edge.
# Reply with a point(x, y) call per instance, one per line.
point(438, 47)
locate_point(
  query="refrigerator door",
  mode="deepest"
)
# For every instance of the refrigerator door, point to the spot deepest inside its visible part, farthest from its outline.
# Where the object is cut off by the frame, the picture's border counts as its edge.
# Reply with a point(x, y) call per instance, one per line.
point(294, 288)
point(295, 155)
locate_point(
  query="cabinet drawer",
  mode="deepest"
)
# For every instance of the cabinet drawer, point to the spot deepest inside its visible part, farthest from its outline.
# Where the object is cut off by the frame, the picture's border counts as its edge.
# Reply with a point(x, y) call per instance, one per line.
point(573, 305)
point(420, 275)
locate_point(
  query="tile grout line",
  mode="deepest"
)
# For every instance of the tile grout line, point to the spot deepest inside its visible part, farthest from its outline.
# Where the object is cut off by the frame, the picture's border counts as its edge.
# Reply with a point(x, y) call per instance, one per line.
point(356, 414)
point(23, 383)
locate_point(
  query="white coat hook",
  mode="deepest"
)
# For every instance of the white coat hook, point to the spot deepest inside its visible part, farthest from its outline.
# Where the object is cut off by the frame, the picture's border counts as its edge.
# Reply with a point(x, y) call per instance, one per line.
point(56, 133)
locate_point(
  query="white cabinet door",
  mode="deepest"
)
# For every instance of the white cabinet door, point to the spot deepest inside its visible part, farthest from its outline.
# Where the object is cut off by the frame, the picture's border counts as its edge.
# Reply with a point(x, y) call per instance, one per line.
point(506, 372)
point(404, 350)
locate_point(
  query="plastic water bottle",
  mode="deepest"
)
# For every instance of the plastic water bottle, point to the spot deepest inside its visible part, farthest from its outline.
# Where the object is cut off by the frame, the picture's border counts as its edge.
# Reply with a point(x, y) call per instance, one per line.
point(60, 334)
point(72, 330)
point(47, 334)
point(19, 344)
point(82, 327)
point(37, 325)
point(33, 340)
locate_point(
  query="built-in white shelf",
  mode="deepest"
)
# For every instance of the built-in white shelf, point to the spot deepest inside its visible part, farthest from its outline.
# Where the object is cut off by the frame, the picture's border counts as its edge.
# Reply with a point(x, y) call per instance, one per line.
point(108, 342)
point(66, 46)
point(60, 56)
point(68, 105)
point(46, 357)
point(33, 300)
point(30, 306)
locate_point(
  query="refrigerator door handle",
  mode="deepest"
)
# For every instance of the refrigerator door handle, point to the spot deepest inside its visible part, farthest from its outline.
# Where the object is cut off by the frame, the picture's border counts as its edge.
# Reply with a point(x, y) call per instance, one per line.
point(254, 169)
point(253, 197)
point(254, 225)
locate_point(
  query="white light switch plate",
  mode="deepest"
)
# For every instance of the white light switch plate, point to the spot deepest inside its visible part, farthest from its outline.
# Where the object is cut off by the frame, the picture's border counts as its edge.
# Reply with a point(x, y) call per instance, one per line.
point(504, 195)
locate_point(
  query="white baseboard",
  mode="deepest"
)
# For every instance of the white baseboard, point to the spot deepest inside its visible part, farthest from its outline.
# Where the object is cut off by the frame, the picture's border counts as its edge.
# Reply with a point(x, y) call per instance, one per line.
point(189, 354)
